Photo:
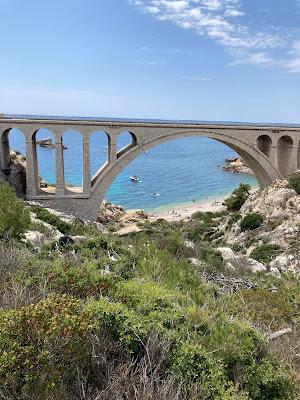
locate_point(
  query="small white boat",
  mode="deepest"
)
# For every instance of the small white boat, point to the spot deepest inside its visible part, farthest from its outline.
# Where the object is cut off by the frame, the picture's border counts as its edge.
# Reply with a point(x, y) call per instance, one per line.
point(155, 194)
point(45, 143)
point(134, 178)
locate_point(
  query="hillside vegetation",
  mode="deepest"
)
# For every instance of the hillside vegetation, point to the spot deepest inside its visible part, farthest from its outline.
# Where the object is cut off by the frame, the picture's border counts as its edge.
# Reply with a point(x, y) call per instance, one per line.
point(162, 314)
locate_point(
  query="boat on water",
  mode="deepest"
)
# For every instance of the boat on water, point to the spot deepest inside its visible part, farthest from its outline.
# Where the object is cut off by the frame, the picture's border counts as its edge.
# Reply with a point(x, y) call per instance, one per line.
point(155, 194)
point(45, 143)
point(134, 178)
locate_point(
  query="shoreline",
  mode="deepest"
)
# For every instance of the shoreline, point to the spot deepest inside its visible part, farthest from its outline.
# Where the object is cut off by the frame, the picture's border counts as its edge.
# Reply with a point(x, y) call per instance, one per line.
point(184, 211)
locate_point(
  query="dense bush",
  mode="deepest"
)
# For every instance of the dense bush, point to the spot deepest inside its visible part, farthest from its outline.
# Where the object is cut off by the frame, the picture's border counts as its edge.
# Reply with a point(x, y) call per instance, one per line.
point(251, 221)
point(265, 253)
point(238, 197)
point(14, 217)
point(294, 183)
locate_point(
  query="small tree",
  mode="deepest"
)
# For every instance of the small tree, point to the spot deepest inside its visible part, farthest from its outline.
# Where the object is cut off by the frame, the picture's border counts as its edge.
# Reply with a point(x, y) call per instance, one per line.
point(14, 217)
point(238, 197)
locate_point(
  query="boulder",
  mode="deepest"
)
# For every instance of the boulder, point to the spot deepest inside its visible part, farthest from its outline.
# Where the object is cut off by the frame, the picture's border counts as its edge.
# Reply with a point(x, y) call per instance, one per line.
point(226, 253)
point(35, 238)
point(127, 230)
point(255, 266)
point(109, 212)
point(284, 263)
point(79, 239)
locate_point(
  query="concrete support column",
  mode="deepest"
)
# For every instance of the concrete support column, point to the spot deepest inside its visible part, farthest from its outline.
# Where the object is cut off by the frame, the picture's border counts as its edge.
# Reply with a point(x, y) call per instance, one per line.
point(112, 151)
point(32, 176)
point(4, 152)
point(60, 171)
point(273, 156)
point(294, 159)
point(86, 167)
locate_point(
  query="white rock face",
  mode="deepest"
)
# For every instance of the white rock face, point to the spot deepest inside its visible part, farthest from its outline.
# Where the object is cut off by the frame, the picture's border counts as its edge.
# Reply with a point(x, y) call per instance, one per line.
point(189, 244)
point(255, 266)
point(79, 239)
point(284, 263)
point(226, 253)
point(280, 207)
point(35, 238)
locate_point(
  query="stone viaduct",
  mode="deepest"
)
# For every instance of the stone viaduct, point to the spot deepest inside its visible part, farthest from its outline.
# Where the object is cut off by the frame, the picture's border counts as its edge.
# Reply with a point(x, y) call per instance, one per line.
point(272, 151)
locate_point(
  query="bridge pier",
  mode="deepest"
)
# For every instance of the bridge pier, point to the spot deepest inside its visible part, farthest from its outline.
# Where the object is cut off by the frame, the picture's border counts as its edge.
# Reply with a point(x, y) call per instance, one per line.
point(294, 159)
point(112, 150)
point(87, 184)
point(32, 176)
point(60, 171)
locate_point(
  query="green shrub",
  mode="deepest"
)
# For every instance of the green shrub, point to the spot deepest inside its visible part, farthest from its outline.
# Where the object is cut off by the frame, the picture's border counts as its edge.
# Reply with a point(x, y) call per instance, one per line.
point(192, 362)
point(251, 221)
point(265, 252)
point(46, 216)
point(88, 280)
point(211, 257)
point(269, 383)
point(14, 217)
point(43, 344)
point(238, 197)
point(274, 314)
point(294, 183)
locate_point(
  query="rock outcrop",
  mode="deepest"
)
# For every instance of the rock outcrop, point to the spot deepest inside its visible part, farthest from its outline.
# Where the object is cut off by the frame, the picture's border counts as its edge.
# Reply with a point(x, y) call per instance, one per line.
point(112, 213)
point(15, 174)
point(237, 166)
point(279, 205)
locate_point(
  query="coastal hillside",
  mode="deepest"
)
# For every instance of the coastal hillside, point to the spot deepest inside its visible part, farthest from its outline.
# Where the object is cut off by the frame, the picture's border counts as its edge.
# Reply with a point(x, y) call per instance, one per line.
point(205, 308)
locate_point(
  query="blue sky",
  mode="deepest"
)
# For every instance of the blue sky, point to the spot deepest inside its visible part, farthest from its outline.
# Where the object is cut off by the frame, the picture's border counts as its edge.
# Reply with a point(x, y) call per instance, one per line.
point(234, 60)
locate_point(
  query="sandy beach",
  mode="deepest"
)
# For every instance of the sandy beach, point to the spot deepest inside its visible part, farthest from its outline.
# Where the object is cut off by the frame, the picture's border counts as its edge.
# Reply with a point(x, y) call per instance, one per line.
point(184, 211)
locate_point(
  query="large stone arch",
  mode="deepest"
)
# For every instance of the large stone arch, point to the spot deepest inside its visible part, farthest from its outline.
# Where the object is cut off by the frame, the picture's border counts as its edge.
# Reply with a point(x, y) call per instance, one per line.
point(264, 170)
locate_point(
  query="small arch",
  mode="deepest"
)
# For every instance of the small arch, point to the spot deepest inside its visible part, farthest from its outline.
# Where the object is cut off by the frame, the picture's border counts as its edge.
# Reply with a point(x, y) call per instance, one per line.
point(264, 144)
point(99, 142)
point(284, 153)
point(125, 141)
point(44, 142)
point(13, 152)
point(72, 141)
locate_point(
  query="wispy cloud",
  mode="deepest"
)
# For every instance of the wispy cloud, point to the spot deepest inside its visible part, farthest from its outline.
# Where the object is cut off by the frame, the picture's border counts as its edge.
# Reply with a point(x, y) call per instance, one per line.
point(293, 64)
point(226, 22)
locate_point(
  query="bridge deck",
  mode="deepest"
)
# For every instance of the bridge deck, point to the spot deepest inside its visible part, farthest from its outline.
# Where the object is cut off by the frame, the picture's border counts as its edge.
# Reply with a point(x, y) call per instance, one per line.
point(103, 120)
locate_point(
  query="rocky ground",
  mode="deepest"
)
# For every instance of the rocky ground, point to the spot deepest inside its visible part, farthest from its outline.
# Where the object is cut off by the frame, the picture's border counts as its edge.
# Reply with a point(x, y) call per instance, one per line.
point(278, 205)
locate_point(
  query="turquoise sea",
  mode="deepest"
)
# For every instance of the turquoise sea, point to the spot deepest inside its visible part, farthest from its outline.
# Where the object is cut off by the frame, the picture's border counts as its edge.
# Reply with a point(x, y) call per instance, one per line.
point(181, 170)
